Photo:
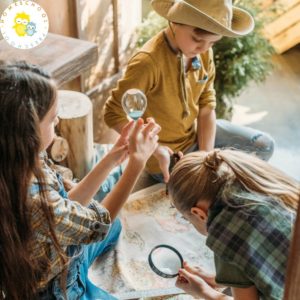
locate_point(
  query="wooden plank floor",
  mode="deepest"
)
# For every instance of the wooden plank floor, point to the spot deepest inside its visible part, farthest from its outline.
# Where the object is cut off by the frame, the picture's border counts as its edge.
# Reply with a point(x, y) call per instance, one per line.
point(274, 106)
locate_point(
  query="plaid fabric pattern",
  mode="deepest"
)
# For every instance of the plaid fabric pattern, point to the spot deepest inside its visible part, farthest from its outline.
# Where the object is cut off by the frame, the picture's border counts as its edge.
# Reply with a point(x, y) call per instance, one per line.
point(74, 224)
point(254, 238)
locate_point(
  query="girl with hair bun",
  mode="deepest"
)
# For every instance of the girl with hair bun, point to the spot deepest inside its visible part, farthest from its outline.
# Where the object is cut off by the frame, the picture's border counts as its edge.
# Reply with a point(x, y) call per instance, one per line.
point(246, 207)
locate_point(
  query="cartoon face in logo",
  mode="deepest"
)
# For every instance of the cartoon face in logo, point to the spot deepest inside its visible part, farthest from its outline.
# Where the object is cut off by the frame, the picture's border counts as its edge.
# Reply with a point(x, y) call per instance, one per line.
point(31, 28)
point(21, 21)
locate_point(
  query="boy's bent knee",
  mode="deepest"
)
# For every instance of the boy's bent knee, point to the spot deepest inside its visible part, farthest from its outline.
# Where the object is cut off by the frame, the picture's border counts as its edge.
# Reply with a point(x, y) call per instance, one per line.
point(264, 145)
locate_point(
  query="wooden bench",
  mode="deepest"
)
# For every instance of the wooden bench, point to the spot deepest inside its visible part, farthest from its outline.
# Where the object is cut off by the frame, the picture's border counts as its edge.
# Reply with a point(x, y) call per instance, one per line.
point(284, 31)
point(64, 57)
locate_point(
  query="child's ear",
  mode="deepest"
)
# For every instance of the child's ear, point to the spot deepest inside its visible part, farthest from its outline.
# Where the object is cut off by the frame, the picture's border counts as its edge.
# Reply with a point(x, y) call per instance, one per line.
point(199, 213)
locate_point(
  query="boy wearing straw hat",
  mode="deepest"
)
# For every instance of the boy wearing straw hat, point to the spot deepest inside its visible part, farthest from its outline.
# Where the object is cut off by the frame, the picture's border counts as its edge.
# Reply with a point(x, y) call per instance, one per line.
point(175, 70)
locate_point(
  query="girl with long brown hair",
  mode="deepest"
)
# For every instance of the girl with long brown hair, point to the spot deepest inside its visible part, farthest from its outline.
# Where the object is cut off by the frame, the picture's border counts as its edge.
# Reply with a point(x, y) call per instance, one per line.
point(246, 207)
point(46, 232)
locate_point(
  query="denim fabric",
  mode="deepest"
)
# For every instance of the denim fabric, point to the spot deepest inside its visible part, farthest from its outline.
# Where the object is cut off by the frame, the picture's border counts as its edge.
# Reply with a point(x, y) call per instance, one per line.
point(78, 284)
point(108, 184)
point(244, 138)
point(100, 151)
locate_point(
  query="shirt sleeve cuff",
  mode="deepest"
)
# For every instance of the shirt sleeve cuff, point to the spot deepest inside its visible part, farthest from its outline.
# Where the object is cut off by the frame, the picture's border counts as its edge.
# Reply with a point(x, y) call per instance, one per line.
point(102, 224)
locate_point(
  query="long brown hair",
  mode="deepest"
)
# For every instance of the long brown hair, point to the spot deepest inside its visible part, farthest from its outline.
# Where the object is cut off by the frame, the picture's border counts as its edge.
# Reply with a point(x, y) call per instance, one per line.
point(26, 95)
point(201, 175)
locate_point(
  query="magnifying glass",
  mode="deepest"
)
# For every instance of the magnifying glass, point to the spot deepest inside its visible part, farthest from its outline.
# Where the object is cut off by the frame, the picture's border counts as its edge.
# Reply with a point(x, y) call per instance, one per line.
point(165, 261)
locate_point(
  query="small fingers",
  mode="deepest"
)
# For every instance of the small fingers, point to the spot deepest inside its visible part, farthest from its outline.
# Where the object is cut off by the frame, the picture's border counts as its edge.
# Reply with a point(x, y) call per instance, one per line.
point(127, 128)
point(197, 270)
point(150, 119)
point(190, 268)
point(123, 138)
point(170, 150)
point(138, 126)
point(183, 277)
point(190, 277)
point(151, 129)
point(155, 131)
point(148, 128)
point(181, 280)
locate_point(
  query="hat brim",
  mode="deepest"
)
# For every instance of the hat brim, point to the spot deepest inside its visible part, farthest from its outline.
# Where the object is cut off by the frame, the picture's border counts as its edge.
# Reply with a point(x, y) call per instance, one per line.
point(242, 22)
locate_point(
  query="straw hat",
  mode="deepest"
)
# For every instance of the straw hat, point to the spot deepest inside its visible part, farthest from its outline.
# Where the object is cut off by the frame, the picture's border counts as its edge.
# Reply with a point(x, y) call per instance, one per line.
point(216, 16)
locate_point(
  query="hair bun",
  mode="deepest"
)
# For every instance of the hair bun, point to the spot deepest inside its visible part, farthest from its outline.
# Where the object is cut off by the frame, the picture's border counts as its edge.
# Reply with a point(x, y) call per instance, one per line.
point(213, 160)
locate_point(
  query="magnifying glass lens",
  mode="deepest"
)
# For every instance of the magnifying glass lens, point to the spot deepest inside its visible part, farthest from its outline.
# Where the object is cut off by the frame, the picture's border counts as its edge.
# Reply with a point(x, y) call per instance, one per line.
point(165, 261)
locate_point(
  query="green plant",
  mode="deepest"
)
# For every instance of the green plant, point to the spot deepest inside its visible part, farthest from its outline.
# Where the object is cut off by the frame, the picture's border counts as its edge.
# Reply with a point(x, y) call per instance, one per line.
point(149, 27)
point(238, 61)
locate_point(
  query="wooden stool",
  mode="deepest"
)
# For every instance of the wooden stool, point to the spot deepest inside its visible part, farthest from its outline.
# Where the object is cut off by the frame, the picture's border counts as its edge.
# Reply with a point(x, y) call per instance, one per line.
point(76, 126)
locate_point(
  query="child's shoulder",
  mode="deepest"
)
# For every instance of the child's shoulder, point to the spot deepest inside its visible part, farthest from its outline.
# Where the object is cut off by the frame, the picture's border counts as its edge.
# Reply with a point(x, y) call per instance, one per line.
point(154, 44)
point(155, 48)
point(49, 174)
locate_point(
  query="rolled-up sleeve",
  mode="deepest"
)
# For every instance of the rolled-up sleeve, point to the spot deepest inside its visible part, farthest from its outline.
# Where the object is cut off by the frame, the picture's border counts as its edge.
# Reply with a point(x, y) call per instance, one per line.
point(208, 96)
point(75, 224)
point(140, 74)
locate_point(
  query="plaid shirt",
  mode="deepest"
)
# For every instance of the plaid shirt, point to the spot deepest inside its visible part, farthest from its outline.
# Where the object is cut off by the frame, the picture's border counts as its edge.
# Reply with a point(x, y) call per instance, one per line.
point(254, 238)
point(74, 224)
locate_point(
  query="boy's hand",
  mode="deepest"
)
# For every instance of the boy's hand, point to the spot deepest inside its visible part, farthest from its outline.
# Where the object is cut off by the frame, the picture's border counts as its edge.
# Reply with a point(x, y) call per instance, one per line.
point(162, 154)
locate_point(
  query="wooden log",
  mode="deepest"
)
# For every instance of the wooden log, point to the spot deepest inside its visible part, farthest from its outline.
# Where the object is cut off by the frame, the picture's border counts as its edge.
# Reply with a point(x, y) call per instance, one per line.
point(76, 126)
point(59, 149)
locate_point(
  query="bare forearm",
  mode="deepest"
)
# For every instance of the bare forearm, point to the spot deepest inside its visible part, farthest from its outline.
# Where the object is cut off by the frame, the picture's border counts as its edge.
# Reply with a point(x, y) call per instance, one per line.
point(206, 131)
point(212, 294)
point(86, 189)
point(117, 197)
point(118, 127)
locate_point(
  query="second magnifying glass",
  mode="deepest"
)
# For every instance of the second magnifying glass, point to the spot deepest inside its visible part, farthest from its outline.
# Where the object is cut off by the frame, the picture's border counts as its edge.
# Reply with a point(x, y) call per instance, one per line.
point(165, 261)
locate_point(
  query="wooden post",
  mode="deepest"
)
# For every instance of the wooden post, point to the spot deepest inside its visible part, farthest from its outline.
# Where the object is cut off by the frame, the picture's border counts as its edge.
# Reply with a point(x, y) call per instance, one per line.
point(76, 126)
point(116, 35)
point(292, 287)
point(62, 16)
point(63, 20)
